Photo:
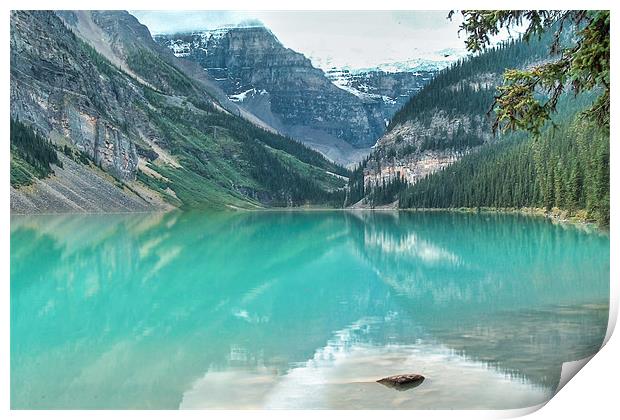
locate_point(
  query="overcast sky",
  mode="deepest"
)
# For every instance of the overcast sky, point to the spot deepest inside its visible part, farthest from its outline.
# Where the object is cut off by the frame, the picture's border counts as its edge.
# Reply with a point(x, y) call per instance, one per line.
point(339, 38)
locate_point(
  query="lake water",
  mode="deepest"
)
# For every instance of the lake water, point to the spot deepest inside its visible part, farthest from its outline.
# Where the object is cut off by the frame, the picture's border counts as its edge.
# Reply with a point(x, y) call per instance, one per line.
point(299, 309)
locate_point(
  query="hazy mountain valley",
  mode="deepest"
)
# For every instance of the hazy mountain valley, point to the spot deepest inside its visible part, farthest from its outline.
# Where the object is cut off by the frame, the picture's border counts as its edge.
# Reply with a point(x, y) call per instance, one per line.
point(135, 128)
point(112, 118)
point(141, 123)
point(339, 113)
point(205, 215)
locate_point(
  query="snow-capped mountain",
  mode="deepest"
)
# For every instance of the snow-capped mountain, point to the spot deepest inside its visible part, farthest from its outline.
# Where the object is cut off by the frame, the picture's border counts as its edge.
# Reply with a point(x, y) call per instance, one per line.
point(282, 88)
point(330, 109)
point(392, 82)
point(392, 89)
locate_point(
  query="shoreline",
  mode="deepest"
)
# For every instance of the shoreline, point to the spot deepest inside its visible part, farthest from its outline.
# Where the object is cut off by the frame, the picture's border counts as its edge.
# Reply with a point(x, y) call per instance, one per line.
point(556, 215)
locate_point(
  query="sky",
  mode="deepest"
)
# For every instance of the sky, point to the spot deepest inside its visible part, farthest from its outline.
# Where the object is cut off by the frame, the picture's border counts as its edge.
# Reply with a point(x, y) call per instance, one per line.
point(355, 39)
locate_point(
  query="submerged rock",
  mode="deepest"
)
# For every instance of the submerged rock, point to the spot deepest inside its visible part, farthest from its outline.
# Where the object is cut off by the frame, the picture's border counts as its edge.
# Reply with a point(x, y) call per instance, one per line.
point(402, 382)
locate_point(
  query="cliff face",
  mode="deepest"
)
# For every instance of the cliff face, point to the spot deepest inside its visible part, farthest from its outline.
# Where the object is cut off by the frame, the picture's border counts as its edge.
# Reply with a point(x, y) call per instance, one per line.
point(448, 118)
point(282, 87)
point(404, 150)
point(136, 128)
point(431, 140)
point(388, 90)
point(49, 90)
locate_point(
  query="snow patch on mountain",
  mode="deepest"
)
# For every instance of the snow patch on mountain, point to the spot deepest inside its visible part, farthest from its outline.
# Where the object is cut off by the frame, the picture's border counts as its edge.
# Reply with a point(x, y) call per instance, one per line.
point(420, 61)
point(240, 97)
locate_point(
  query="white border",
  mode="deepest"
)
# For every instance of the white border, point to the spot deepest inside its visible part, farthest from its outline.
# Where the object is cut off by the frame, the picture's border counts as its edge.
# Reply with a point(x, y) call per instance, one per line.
point(592, 395)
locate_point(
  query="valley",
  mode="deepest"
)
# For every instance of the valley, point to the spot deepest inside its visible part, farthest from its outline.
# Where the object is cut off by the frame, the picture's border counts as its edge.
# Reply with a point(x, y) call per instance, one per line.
point(306, 209)
point(232, 118)
point(146, 127)
point(339, 112)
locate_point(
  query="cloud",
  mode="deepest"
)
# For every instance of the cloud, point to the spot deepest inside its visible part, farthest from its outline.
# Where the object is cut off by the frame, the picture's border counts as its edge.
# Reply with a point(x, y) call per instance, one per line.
point(338, 38)
point(172, 21)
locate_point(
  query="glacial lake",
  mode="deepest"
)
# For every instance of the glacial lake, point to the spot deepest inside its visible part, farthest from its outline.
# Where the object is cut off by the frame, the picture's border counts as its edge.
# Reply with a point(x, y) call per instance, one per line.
point(300, 309)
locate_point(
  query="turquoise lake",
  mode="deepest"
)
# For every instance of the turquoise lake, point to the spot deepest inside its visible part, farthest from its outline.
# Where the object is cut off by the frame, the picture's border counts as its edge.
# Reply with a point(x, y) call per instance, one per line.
point(300, 309)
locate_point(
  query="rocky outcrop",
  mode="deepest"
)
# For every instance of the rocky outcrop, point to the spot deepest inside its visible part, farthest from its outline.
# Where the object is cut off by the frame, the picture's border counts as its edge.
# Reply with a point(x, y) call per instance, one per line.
point(140, 128)
point(282, 88)
point(449, 117)
point(53, 89)
point(440, 125)
point(388, 90)
point(405, 152)
point(411, 168)
point(432, 139)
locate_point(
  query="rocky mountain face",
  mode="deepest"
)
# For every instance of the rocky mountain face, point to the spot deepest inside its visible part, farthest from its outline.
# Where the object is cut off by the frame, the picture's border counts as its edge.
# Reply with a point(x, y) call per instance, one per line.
point(49, 89)
point(282, 88)
point(137, 128)
point(448, 118)
point(400, 152)
point(390, 90)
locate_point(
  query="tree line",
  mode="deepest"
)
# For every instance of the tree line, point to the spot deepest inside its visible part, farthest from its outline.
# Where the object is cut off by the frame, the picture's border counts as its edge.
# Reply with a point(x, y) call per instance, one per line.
point(451, 90)
point(31, 154)
point(567, 167)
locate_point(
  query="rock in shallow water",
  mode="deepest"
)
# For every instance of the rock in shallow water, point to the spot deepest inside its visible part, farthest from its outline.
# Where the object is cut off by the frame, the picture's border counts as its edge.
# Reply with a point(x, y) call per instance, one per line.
point(402, 382)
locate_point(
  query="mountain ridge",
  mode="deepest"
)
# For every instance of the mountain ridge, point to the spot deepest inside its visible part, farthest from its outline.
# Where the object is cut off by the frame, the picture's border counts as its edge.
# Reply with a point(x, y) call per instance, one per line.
point(143, 125)
point(447, 119)
point(282, 87)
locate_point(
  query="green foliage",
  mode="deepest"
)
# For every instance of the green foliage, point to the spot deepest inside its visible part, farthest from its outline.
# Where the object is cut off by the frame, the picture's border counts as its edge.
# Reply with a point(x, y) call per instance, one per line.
point(356, 189)
point(463, 96)
point(566, 167)
point(226, 160)
point(459, 140)
point(451, 90)
point(386, 192)
point(481, 25)
point(226, 124)
point(105, 69)
point(290, 186)
point(194, 190)
point(31, 154)
point(77, 156)
point(158, 72)
point(219, 154)
point(581, 66)
point(103, 65)
point(22, 173)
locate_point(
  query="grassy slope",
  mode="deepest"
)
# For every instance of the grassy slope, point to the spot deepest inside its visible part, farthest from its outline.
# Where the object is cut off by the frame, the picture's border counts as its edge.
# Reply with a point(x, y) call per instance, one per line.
point(22, 173)
point(219, 154)
point(217, 164)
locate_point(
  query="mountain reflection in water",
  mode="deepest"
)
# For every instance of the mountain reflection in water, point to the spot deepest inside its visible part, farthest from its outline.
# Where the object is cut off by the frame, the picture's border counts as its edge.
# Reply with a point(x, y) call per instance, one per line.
point(299, 309)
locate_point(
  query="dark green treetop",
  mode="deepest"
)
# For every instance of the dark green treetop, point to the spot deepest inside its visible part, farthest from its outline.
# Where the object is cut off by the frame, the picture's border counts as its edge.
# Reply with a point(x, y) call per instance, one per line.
point(582, 66)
